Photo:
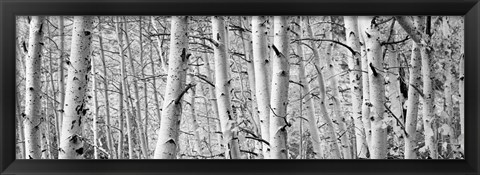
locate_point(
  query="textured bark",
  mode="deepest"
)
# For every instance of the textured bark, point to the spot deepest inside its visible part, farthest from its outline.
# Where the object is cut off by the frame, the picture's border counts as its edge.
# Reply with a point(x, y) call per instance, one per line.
point(172, 108)
point(448, 105)
point(137, 111)
point(351, 32)
point(71, 142)
point(222, 87)
point(333, 151)
point(145, 91)
point(33, 105)
point(371, 35)
point(260, 61)
point(194, 123)
point(308, 97)
point(280, 81)
point(365, 89)
point(108, 125)
point(412, 103)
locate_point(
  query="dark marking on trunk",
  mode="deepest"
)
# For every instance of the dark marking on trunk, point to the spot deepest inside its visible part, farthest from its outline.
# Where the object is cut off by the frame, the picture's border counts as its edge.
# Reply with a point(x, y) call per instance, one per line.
point(79, 151)
point(30, 157)
point(31, 88)
point(218, 36)
point(87, 33)
point(40, 30)
point(277, 52)
point(374, 71)
point(283, 73)
point(368, 35)
point(24, 45)
point(74, 139)
point(170, 141)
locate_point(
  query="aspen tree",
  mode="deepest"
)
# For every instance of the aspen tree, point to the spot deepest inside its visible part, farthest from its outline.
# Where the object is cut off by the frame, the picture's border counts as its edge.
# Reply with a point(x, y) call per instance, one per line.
point(61, 77)
point(422, 37)
point(260, 60)
point(95, 110)
point(222, 87)
point(308, 97)
point(167, 142)
point(448, 109)
point(412, 102)
point(280, 81)
point(461, 88)
point(154, 81)
point(333, 151)
point(351, 32)
point(71, 141)
point(33, 105)
point(365, 88)
point(378, 147)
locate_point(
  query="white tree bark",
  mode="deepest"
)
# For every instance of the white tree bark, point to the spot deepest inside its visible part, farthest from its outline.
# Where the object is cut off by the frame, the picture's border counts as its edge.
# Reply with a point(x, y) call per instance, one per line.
point(333, 151)
point(71, 143)
point(95, 110)
point(260, 60)
point(222, 87)
point(412, 103)
point(351, 32)
point(61, 76)
point(365, 89)
point(280, 82)
point(169, 127)
point(33, 105)
point(461, 88)
point(372, 39)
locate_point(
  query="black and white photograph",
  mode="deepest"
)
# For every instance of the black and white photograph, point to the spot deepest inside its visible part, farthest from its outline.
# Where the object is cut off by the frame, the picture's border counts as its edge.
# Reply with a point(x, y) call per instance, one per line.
point(240, 87)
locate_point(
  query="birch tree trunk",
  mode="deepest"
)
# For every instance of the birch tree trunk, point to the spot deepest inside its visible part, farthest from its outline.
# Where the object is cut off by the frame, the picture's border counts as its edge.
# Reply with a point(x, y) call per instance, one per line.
point(33, 105)
point(333, 151)
point(412, 102)
point(372, 39)
point(71, 143)
point(461, 88)
point(365, 89)
point(260, 60)
point(280, 82)
point(95, 110)
point(61, 77)
point(308, 97)
point(172, 108)
point(351, 32)
point(222, 87)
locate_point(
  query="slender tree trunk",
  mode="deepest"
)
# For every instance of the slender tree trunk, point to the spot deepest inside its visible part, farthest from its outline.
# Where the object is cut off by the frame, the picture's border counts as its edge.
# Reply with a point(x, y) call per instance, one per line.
point(260, 61)
point(308, 97)
point(412, 103)
point(333, 151)
point(61, 77)
point(145, 91)
point(280, 82)
point(222, 87)
point(195, 127)
point(365, 89)
point(428, 107)
point(137, 113)
point(461, 88)
point(71, 143)
point(352, 37)
point(33, 120)
point(376, 79)
point(109, 136)
point(172, 108)
point(95, 110)
point(124, 88)
point(448, 108)
point(120, 118)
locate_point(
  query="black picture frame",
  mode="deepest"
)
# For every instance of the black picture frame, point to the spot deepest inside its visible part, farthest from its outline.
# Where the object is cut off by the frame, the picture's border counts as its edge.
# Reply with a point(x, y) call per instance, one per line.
point(10, 8)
